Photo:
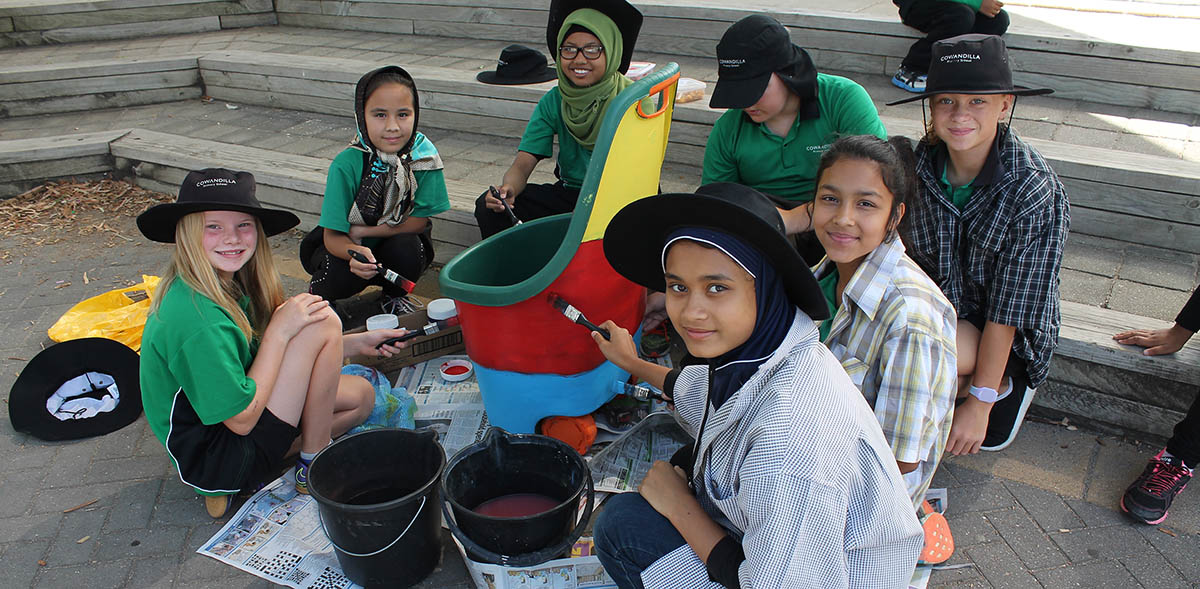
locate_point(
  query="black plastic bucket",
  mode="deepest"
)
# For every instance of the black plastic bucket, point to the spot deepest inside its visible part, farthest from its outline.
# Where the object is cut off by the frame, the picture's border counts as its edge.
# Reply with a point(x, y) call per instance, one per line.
point(378, 493)
point(504, 464)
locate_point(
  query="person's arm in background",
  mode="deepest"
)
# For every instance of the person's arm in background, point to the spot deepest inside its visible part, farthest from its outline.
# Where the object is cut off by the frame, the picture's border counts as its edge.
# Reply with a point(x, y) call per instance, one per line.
point(1171, 339)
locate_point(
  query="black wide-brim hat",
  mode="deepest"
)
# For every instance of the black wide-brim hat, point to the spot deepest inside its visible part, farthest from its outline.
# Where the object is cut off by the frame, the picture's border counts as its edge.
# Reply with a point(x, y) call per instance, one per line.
point(627, 18)
point(634, 239)
point(970, 64)
point(212, 189)
point(98, 361)
point(519, 64)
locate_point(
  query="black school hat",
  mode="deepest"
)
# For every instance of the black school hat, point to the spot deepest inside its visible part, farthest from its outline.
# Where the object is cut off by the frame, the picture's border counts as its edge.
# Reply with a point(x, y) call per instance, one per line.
point(627, 18)
point(212, 189)
point(77, 389)
point(519, 64)
point(749, 52)
point(635, 237)
point(971, 64)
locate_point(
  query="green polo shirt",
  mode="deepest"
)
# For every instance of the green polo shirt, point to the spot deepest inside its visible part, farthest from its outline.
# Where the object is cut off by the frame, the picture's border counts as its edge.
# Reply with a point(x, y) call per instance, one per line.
point(544, 124)
point(958, 195)
point(828, 284)
point(345, 175)
point(743, 151)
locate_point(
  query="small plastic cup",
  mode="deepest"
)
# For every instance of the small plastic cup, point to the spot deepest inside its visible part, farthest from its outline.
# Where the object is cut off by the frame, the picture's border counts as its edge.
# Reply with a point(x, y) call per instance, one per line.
point(383, 321)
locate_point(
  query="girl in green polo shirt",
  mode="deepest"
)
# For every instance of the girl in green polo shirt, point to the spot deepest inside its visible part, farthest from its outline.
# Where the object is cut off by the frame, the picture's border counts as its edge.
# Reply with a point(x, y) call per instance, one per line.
point(593, 47)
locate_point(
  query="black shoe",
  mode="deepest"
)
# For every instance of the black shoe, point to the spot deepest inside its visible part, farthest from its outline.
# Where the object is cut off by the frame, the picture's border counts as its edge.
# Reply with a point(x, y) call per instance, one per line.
point(1005, 419)
point(1149, 497)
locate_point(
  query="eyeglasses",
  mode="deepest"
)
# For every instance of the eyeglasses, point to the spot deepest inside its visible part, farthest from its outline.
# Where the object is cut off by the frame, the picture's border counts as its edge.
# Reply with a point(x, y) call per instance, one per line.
point(590, 52)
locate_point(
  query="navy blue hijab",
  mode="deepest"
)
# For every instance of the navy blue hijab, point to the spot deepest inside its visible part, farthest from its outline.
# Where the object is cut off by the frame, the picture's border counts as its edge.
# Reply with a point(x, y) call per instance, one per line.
point(774, 313)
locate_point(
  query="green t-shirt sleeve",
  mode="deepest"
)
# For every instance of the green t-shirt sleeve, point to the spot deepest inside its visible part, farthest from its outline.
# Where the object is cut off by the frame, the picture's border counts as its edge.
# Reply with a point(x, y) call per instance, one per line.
point(975, 4)
point(720, 162)
point(857, 115)
point(431, 197)
point(340, 186)
point(539, 132)
point(210, 365)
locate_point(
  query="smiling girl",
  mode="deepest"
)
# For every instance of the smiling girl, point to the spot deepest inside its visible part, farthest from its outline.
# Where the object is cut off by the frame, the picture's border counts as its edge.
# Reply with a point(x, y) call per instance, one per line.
point(593, 42)
point(790, 482)
point(892, 329)
point(379, 196)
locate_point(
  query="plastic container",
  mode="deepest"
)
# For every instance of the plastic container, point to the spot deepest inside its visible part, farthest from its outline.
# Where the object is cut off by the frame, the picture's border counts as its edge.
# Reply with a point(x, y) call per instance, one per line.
point(384, 321)
point(378, 493)
point(439, 309)
point(689, 90)
point(639, 69)
point(456, 370)
point(505, 464)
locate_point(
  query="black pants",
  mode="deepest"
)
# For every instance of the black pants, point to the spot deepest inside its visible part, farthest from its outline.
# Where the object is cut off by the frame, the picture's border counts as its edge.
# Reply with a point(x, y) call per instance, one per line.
point(535, 202)
point(1185, 441)
point(942, 20)
point(407, 254)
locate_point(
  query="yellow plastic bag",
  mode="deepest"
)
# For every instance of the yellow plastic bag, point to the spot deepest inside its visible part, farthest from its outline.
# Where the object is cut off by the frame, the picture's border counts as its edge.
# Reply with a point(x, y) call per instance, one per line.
point(117, 315)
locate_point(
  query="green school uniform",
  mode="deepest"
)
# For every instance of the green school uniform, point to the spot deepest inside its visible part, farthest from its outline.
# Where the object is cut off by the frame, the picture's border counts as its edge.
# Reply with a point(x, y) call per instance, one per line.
point(547, 122)
point(743, 151)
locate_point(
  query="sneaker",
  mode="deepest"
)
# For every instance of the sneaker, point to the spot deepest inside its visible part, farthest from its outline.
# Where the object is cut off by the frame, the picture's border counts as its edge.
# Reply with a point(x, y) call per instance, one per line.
point(400, 306)
point(302, 467)
point(909, 80)
point(1005, 419)
point(217, 505)
point(1149, 497)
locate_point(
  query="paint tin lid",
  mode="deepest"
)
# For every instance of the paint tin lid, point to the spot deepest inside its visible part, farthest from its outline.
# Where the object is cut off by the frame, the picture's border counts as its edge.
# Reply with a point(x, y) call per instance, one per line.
point(439, 309)
point(456, 370)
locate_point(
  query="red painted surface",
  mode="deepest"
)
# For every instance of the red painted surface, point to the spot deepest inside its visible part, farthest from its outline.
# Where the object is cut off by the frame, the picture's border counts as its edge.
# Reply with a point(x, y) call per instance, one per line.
point(517, 505)
point(535, 338)
point(454, 370)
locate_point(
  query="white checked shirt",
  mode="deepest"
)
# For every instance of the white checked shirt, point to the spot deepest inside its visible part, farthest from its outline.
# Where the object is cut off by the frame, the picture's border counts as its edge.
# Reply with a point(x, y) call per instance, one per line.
point(795, 463)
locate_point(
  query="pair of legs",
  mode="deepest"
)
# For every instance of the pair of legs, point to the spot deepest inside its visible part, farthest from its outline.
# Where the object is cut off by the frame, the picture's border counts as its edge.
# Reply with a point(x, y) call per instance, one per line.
point(630, 535)
point(407, 254)
point(535, 202)
point(941, 20)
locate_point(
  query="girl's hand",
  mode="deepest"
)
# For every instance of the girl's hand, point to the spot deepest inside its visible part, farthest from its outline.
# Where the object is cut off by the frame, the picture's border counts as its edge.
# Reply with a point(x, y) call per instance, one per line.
point(507, 193)
point(359, 269)
point(990, 8)
point(358, 232)
point(665, 487)
point(363, 344)
point(297, 313)
point(620, 350)
point(1156, 341)
point(969, 427)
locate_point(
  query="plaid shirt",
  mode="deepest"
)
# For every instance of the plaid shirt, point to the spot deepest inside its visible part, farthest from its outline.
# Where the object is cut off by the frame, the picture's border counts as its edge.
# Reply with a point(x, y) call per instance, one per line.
point(894, 334)
point(795, 466)
point(1001, 254)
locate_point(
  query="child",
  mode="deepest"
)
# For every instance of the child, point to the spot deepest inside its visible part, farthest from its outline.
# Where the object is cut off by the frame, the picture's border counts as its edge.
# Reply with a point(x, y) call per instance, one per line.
point(379, 196)
point(942, 19)
point(783, 115)
point(793, 484)
point(892, 329)
point(594, 44)
point(1148, 498)
point(231, 371)
point(989, 227)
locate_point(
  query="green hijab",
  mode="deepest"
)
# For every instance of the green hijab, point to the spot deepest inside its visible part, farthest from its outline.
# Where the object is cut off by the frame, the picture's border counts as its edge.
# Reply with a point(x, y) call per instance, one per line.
point(583, 108)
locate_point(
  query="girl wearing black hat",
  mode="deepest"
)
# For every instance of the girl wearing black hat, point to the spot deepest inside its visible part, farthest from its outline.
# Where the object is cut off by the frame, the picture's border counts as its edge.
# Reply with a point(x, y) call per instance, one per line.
point(790, 482)
point(593, 40)
point(989, 226)
point(231, 370)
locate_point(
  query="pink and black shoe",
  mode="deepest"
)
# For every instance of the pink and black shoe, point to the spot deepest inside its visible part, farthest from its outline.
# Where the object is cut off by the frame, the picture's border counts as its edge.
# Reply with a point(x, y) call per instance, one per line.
point(1149, 497)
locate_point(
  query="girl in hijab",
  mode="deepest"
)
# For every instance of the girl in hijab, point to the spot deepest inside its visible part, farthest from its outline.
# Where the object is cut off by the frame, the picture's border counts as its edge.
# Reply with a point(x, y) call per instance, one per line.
point(790, 482)
point(381, 191)
point(593, 45)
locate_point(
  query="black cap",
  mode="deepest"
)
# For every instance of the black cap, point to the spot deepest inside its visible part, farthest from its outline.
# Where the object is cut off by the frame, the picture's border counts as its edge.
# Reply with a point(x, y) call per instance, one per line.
point(749, 52)
point(519, 64)
point(212, 189)
point(971, 64)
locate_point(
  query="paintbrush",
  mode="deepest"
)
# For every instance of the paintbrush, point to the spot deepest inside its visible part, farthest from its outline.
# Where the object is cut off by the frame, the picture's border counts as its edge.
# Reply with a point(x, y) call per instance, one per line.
point(388, 275)
point(507, 207)
point(430, 328)
point(570, 312)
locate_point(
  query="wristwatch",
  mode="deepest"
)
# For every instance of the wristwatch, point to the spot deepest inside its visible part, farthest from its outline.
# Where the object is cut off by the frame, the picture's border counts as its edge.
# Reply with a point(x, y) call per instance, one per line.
point(985, 394)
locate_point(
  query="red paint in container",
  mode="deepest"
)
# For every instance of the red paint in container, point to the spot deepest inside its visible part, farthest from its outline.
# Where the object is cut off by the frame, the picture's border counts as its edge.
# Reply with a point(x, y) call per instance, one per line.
point(516, 505)
point(454, 370)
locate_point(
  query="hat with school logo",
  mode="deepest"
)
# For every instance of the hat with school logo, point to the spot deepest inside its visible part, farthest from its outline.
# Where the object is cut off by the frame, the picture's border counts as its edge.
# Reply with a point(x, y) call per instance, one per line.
point(212, 189)
point(971, 64)
point(77, 389)
point(749, 52)
point(518, 64)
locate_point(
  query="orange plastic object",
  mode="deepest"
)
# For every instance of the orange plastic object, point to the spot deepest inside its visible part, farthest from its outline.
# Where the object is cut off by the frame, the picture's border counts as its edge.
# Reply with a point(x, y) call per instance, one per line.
point(577, 432)
point(939, 544)
point(660, 88)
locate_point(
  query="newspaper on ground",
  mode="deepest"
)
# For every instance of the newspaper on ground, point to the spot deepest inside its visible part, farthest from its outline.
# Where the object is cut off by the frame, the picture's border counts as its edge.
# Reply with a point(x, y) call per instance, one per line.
point(582, 570)
point(277, 535)
point(623, 464)
point(452, 409)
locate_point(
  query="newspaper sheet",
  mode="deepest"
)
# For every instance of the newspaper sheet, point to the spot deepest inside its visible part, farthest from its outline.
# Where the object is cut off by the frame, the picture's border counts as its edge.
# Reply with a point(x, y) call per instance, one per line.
point(581, 571)
point(277, 535)
point(453, 409)
point(623, 464)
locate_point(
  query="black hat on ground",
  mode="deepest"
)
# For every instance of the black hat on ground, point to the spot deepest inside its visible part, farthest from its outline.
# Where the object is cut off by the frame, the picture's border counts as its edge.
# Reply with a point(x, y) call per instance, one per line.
point(518, 64)
point(636, 235)
point(971, 64)
point(77, 389)
point(212, 189)
point(749, 52)
point(627, 18)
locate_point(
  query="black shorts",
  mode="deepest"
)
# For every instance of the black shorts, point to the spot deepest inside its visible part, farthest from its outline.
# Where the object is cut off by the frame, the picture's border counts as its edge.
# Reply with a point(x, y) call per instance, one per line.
point(230, 461)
